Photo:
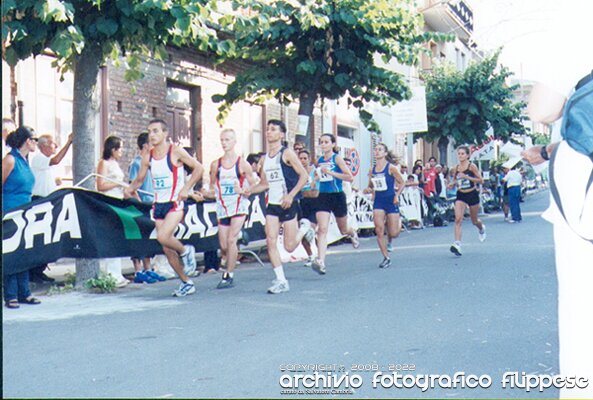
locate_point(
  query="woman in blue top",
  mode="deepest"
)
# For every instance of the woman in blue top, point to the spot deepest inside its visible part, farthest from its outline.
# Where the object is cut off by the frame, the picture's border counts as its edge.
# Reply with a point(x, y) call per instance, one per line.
point(382, 179)
point(332, 170)
point(308, 203)
point(17, 189)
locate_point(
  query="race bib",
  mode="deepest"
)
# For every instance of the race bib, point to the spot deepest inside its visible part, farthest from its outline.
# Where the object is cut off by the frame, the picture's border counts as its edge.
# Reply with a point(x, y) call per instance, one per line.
point(163, 182)
point(464, 184)
point(274, 175)
point(323, 177)
point(227, 189)
point(379, 183)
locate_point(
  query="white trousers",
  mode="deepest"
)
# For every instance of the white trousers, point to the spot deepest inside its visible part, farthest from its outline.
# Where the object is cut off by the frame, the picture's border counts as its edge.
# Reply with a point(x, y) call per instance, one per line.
point(574, 267)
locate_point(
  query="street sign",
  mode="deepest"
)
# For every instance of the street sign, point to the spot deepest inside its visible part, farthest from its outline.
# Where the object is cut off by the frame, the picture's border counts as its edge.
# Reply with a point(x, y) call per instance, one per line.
point(410, 115)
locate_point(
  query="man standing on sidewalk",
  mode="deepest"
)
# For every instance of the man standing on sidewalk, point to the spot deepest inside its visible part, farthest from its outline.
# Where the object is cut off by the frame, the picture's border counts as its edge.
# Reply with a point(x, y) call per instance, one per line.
point(170, 194)
point(43, 166)
point(513, 179)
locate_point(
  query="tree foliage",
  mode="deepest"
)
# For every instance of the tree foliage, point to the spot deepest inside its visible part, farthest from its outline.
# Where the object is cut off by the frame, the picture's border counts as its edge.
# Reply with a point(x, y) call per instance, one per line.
point(323, 49)
point(117, 27)
point(463, 105)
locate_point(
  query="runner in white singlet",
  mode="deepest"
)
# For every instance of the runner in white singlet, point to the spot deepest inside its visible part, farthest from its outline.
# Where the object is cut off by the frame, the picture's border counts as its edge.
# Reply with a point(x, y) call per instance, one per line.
point(227, 180)
point(166, 164)
point(284, 176)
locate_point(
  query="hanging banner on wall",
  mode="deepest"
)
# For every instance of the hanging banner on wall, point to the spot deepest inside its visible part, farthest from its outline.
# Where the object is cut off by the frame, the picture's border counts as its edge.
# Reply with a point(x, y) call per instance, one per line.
point(79, 223)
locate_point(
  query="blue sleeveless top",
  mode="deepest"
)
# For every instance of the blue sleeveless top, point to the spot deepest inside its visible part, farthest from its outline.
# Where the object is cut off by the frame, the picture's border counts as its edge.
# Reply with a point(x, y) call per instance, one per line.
point(18, 188)
point(383, 184)
point(329, 183)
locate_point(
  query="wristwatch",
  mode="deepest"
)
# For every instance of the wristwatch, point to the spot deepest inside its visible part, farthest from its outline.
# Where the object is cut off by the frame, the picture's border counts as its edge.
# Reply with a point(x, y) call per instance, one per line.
point(544, 153)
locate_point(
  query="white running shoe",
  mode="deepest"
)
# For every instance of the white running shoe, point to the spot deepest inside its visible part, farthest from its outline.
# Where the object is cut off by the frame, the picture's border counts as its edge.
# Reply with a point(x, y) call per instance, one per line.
point(355, 240)
point(482, 233)
point(456, 249)
point(278, 287)
point(319, 266)
point(307, 230)
point(309, 262)
point(185, 289)
point(189, 260)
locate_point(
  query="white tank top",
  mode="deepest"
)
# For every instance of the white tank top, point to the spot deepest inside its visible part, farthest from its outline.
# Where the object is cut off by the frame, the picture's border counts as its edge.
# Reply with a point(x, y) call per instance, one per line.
point(167, 179)
point(114, 173)
point(228, 202)
point(275, 177)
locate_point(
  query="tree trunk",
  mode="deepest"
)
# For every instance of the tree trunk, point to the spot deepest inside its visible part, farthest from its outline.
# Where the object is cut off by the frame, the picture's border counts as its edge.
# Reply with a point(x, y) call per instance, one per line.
point(84, 113)
point(306, 105)
point(443, 144)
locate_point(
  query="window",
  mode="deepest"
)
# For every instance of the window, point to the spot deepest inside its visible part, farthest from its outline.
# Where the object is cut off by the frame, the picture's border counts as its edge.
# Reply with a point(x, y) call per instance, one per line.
point(346, 132)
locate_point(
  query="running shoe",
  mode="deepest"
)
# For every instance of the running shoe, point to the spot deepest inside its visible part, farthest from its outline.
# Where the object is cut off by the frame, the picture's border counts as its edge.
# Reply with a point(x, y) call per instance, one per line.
point(389, 247)
point(386, 263)
point(141, 277)
point(309, 262)
point(307, 230)
point(319, 266)
point(189, 259)
point(226, 282)
point(482, 233)
point(355, 241)
point(156, 276)
point(185, 289)
point(455, 249)
point(278, 287)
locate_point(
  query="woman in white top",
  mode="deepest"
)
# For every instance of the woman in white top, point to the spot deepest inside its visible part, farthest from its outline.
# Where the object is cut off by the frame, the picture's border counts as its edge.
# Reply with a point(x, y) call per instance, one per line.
point(113, 186)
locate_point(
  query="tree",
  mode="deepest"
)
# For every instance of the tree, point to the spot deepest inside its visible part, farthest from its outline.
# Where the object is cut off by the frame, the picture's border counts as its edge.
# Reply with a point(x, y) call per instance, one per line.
point(322, 49)
point(461, 106)
point(83, 35)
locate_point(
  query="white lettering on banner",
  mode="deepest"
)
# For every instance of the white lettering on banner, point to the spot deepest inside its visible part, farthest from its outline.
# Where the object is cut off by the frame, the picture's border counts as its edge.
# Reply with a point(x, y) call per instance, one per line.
point(12, 243)
point(38, 226)
point(194, 224)
point(67, 220)
point(29, 226)
point(208, 208)
point(180, 231)
point(256, 214)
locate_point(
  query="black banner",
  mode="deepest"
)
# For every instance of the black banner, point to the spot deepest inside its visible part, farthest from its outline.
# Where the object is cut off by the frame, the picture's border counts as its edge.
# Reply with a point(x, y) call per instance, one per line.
point(79, 223)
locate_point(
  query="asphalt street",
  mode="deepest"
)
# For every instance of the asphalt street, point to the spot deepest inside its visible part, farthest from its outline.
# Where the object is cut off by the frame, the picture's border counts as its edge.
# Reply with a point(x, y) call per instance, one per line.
point(491, 311)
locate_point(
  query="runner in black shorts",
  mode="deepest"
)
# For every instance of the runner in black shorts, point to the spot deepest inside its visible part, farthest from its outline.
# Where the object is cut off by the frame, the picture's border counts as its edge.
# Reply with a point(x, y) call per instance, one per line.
point(466, 176)
point(308, 202)
point(332, 170)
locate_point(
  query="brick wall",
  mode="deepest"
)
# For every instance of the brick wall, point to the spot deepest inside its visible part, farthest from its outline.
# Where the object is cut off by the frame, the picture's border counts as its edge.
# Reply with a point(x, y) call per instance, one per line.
point(132, 105)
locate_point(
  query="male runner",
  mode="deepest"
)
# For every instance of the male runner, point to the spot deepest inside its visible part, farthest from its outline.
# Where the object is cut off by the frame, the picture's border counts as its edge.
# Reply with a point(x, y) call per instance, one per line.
point(166, 162)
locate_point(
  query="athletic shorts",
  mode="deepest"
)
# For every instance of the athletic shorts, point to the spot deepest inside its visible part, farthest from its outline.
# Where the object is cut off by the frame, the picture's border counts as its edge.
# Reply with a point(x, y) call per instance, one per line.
point(308, 209)
point(227, 220)
point(283, 214)
point(386, 205)
point(160, 210)
point(333, 203)
point(470, 198)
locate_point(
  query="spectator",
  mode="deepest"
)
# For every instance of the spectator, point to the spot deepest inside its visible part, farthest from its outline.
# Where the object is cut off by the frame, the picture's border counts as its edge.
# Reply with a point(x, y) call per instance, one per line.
point(253, 160)
point(440, 182)
point(110, 181)
point(8, 126)
point(513, 179)
point(431, 177)
point(17, 189)
point(505, 194)
point(46, 181)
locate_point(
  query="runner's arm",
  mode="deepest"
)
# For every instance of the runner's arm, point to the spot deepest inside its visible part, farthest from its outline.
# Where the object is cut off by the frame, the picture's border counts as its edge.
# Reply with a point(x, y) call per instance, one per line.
point(194, 165)
point(346, 175)
point(399, 180)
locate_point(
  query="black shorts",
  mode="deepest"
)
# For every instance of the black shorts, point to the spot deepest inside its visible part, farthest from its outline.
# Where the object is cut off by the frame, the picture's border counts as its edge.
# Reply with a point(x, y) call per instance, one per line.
point(333, 203)
point(227, 221)
point(283, 214)
point(308, 209)
point(470, 198)
point(160, 210)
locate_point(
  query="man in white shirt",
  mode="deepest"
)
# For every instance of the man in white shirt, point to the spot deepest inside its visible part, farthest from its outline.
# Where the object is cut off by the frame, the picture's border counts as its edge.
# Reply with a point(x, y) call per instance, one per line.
point(8, 126)
point(42, 165)
point(513, 179)
point(572, 171)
